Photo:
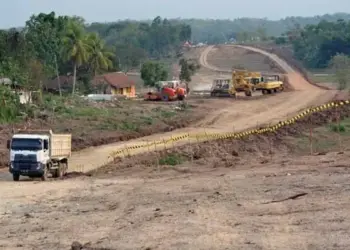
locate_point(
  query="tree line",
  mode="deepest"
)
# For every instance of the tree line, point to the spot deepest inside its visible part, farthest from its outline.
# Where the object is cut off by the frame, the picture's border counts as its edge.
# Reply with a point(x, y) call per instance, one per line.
point(135, 41)
point(212, 31)
point(49, 46)
point(322, 45)
point(316, 45)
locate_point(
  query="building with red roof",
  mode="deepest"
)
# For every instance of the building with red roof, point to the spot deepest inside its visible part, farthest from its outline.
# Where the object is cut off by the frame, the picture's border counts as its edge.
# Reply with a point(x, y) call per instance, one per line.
point(116, 83)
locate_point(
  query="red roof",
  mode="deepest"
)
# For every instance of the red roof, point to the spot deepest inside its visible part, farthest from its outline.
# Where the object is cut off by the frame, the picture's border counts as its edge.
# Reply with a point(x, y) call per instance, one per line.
point(116, 79)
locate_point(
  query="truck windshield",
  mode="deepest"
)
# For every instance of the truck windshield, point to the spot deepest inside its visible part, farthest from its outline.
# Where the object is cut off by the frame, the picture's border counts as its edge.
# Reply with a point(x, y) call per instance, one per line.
point(26, 144)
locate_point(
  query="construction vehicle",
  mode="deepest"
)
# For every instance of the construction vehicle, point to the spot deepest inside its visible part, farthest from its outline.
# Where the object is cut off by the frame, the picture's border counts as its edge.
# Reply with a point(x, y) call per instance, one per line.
point(247, 82)
point(223, 87)
point(269, 84)
point(167, 91)
point(242, 81)
point(36, 153)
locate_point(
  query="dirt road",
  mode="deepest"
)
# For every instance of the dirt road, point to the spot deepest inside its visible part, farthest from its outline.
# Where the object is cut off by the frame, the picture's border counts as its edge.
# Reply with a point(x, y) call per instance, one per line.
point(243, 207)
point(230, 115)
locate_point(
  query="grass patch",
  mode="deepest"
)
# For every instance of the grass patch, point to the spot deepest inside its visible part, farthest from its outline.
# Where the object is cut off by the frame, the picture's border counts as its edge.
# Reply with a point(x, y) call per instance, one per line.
point(330, 137)
point(323, 78)
point(94, 123)
point(172, 159)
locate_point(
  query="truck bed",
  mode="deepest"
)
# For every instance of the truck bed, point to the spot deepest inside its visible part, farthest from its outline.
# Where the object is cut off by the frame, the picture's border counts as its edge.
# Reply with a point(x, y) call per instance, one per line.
point(61, 145)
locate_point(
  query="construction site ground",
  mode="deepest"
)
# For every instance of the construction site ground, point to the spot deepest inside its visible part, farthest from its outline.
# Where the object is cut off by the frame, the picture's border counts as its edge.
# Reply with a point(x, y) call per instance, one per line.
point(215, 201)
point(232, 195)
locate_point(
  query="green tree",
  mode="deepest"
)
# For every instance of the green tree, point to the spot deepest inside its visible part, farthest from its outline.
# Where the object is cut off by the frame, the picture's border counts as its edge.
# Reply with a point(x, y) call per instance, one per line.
point(188, 69)
point(13, 70)
point(315, 45)
point(100, 56)
point(44, 32)
point(10, 105)
point(76, 47)
point(341, 65)
point(153, 72)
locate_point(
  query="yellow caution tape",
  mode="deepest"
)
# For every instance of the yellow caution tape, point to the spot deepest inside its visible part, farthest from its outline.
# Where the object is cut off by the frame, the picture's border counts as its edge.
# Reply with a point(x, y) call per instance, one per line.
point(126, 150)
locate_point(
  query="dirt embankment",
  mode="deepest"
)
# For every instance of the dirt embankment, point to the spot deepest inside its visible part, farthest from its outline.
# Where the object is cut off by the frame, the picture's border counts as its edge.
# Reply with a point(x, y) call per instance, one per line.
point(287, 55)
point(231, 152)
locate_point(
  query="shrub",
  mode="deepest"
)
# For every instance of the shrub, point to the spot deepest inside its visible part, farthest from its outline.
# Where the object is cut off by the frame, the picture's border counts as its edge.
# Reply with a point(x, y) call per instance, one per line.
point(10, 105)
point(338, 128)
point(171, 159)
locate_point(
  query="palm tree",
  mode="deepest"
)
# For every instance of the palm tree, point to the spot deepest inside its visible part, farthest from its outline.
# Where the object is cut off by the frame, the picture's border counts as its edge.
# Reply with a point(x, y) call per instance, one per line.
point(100, 57)
point(76, 47)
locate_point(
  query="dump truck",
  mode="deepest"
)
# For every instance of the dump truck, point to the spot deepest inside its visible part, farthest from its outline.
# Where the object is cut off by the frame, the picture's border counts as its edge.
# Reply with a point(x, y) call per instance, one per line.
point(38, 153)
point(269, 84)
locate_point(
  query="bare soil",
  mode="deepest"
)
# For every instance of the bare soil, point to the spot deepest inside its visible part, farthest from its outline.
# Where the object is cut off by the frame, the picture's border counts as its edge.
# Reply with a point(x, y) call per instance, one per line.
point(252, 194)
point(226, 58)
point(234, 195)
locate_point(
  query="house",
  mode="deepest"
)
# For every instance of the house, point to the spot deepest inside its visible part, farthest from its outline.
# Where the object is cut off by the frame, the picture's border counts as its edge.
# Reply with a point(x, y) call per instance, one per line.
point(52, 85)
point(24, 96)
point(117, 83)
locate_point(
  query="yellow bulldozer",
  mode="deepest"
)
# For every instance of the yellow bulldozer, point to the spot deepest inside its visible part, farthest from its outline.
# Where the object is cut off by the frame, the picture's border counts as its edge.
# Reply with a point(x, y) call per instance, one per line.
point(247, 82)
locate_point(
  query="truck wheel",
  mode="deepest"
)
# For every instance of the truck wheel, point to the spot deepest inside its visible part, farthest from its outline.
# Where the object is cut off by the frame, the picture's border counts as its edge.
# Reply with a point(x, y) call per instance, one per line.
point(60, 170)
point(15, 177)
point(275, 90)
point(44, 176)
point(65, 168)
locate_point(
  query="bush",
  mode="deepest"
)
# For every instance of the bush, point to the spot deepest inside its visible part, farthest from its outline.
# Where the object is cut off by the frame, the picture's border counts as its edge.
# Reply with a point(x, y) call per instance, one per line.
point(338, 128)
point(10, 105)
point(171, 159)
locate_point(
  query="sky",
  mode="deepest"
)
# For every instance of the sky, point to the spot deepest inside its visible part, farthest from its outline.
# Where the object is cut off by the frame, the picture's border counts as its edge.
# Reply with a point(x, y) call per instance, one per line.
point(14, 13)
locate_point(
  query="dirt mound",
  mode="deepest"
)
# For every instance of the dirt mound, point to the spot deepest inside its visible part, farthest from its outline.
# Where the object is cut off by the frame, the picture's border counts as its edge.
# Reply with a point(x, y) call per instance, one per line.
point(227, 152)
point(228, 57)
point(286, 53)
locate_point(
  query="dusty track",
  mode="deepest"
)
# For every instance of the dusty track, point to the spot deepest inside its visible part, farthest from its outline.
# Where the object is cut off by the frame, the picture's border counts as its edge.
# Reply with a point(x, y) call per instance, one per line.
point(231, 115)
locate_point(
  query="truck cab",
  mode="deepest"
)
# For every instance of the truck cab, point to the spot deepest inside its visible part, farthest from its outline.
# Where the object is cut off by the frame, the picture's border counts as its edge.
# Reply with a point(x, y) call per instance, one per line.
point(36, 155)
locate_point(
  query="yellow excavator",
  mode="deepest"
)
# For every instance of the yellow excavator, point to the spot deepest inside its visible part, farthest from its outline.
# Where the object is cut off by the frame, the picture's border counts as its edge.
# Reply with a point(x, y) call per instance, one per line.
point(247, 82)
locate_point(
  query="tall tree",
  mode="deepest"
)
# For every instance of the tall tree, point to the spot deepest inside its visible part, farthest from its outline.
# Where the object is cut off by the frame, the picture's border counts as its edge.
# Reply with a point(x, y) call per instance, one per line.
point(153, 72)
point(100, 56)
point(76, 47)
point(44, 32)
point(188, 69)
